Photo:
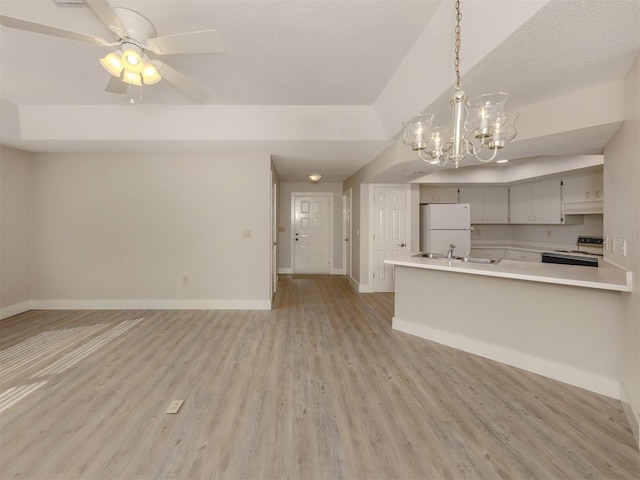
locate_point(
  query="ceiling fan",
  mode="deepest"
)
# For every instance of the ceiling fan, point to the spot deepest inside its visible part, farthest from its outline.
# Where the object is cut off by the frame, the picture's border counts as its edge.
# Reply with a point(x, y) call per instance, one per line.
point(136, 38)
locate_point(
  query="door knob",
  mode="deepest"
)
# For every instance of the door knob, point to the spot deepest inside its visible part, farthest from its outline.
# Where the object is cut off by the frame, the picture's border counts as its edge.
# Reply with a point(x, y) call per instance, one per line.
point(402, 244)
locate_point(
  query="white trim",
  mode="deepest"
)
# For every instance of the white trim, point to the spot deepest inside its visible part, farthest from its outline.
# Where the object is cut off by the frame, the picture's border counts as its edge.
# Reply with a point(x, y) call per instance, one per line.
point(153, 304)
point(633, 417)
point(15, 309)
point(336, 271)
point(285, 271)
point(365, 288)
point(329, 195)
point(564, 373)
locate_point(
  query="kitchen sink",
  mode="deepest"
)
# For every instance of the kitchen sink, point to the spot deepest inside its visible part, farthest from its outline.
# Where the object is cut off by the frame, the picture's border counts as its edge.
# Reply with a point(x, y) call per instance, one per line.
point(430, 255)
point(440, 256)
point(486, 261)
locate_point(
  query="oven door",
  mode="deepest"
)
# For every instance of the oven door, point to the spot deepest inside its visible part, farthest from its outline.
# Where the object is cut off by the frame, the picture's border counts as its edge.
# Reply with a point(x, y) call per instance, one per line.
point(569, 259)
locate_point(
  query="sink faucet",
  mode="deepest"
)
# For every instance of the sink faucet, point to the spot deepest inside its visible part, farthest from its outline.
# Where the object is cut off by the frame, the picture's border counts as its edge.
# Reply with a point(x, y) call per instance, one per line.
point(450, 252)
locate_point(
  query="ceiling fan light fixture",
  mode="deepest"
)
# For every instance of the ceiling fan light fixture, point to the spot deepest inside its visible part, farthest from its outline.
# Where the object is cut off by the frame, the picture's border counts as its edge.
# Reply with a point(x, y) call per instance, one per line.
point(132, 78)
point(132, 60)
point(112, 63)
point(149, 74)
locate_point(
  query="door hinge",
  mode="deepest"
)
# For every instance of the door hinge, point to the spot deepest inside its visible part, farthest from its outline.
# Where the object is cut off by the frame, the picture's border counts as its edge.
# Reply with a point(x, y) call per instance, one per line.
point(374, 275)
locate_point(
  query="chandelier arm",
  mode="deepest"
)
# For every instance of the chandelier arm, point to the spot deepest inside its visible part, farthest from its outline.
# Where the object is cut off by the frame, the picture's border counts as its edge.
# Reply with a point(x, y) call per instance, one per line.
point(495, 152)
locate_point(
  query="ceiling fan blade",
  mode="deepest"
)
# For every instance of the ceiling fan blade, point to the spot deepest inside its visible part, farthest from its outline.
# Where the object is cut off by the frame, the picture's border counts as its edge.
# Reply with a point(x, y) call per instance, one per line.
point(205, 41)
point(104, 12)
point(196, 92)
point(116, 85)
point(53, 31)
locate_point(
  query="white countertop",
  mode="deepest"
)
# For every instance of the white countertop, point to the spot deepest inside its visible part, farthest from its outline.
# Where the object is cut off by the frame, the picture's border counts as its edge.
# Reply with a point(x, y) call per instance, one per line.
point(605, 277)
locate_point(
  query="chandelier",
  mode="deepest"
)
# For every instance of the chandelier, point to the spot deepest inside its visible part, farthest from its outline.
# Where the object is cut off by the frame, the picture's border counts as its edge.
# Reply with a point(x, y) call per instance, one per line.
point(484, 119)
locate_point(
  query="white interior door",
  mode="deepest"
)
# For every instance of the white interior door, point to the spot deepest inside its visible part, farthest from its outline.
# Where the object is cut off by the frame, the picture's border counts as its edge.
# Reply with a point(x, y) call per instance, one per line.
point(346, 230)
point(274, 237)
point(312, 233)
point(390, 211)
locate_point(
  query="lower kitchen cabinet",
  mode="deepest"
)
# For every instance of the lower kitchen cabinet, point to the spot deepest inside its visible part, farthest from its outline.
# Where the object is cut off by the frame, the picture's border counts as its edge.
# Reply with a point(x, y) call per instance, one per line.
point(523, 255)
point(496, 253)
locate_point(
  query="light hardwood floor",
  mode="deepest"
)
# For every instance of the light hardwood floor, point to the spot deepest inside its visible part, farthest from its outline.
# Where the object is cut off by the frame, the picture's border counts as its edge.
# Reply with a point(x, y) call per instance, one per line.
point(319, 387)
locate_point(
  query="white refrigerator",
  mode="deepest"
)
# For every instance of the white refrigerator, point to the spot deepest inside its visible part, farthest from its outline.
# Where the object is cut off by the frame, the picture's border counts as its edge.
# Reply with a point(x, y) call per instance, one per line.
point(444, 224)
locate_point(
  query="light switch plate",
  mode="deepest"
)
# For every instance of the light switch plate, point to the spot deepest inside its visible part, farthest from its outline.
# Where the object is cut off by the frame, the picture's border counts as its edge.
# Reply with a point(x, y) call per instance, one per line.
point(175, 406)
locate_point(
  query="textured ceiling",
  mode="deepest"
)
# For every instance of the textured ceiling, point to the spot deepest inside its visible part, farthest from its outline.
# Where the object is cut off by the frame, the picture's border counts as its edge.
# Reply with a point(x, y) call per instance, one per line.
point(354, 55)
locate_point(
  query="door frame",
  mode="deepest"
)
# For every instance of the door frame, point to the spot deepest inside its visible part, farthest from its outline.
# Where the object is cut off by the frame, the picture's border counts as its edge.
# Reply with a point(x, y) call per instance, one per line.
point(347, 225)
point(372, 229)
point(274, 237)
point(292, 229)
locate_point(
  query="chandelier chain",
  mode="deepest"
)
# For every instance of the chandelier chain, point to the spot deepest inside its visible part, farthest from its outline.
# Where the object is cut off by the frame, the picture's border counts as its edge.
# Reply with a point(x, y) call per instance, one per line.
point(458, 41)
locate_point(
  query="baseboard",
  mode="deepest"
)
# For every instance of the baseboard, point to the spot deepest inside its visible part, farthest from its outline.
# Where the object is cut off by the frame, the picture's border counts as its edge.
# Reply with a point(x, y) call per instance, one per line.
point(285, 271)
point(633, 416)
point(337, 271)
point(547, 368)
point(354, 285)
point(15, 309)
point(153, 304)
point(365, 288)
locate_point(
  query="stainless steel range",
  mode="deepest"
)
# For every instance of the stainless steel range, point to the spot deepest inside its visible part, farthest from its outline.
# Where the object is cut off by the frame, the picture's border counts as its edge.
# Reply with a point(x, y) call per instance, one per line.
point(587, 253)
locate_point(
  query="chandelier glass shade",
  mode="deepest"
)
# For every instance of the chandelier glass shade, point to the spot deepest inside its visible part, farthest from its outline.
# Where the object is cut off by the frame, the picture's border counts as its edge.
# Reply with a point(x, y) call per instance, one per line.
point(131, 65)
point(481, 124)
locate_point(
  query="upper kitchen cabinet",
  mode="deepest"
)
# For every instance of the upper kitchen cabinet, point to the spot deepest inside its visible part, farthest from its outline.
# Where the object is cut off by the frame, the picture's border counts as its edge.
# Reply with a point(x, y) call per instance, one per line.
point(487, 204)
point(538, 202)
point(583, 194)
point(429, 194)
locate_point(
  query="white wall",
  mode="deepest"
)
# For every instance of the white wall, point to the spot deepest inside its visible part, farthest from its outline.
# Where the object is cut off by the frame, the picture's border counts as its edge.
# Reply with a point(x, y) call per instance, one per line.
point(124, 230)
point(15, 252)
point(622, 222)
point(284, 237)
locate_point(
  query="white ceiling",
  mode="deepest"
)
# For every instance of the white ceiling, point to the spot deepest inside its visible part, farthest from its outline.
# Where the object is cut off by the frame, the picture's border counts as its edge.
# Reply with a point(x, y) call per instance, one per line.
point(321, 85)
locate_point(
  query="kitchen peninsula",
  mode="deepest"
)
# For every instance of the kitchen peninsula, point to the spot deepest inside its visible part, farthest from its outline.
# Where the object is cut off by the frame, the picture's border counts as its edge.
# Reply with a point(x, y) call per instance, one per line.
point(560, 321)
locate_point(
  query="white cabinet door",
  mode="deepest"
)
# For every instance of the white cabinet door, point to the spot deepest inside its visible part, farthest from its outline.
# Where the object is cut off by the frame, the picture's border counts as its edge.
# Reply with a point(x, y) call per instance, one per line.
point(583, 194)
point(521, 203)
point(431, 194)
point(487, 204)
point(577, 188)
point(474, 197)
point(496, 205)
point(547, 202)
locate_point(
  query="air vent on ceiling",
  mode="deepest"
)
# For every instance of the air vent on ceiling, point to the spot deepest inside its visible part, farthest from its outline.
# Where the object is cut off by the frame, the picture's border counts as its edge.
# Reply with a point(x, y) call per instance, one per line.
point(70, 3)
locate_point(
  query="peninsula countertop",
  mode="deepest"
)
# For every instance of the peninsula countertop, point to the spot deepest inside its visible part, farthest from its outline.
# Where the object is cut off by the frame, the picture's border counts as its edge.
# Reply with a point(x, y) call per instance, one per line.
point(606, 276)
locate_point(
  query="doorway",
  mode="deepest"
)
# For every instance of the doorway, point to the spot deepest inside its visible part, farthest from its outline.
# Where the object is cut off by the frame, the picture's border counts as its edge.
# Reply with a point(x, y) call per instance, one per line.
point(311, 230)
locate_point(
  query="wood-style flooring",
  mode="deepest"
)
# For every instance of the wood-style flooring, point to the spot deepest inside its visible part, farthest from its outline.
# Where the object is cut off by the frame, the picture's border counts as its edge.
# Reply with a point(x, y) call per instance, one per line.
point(320, 387)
